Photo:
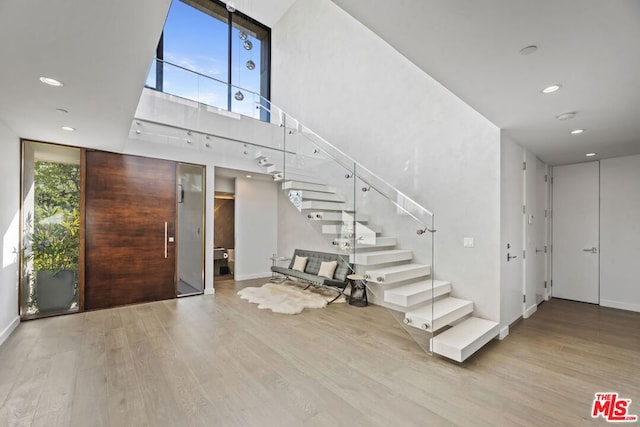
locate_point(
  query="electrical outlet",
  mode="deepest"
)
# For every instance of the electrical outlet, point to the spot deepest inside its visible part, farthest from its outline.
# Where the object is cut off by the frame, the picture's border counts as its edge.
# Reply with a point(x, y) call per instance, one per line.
point(468, 242)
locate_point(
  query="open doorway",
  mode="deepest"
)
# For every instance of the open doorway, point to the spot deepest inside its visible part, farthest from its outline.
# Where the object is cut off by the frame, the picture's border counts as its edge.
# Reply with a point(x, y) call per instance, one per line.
point(224, 231)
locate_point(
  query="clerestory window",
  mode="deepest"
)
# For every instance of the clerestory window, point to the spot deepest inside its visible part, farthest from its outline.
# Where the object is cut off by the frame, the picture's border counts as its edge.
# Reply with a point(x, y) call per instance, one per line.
point(213, 56)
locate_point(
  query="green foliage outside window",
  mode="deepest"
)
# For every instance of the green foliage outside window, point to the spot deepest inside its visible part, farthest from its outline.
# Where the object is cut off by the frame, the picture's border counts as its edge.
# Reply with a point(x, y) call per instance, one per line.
point(55, 238)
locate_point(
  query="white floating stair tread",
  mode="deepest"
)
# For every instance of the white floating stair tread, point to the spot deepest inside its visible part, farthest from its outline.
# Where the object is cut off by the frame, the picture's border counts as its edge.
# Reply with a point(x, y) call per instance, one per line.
point(278, 168)
point(445, 312)
point(381, 257)
point(326, 206)
point(361, 229)
point(370, 243)
point(417, 292)
point(292, 174)
point(398, 273)
point(465, 338)
point(336, 216)
point(376, 242)
point(316, 195)
point(266, 154)
point(301, 185)
point(264, 161)
point(280, 177)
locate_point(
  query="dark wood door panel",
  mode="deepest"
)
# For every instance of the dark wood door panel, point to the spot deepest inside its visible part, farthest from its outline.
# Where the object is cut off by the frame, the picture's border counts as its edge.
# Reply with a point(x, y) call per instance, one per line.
point(128, 201)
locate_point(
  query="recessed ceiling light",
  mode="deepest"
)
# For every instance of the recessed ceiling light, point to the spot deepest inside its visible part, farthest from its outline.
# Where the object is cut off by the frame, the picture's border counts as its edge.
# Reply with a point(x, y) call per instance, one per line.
point(577, 131)
point(590, 154)
point(551, 89)
point(248, 176)
point(51, 82)
point(528, 50)
point(68, 128)
point(566, 116)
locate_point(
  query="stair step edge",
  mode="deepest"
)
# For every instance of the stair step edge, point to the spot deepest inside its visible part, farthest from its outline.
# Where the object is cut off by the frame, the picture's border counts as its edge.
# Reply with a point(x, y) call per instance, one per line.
point(412, 288)
point(441, 307)
point(465, 338)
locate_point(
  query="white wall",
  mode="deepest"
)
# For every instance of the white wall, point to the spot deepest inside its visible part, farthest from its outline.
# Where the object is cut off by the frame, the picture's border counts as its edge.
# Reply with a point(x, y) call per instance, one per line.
point(620, 232)
point(256, 210)
point(352, 88)
point(9, 230)
point(225, 185)
point(296, 232)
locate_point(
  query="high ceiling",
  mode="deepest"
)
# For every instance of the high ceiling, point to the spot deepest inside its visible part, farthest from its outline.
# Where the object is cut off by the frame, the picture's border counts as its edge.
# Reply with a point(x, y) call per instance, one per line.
point(102, 51)
point(472, 47)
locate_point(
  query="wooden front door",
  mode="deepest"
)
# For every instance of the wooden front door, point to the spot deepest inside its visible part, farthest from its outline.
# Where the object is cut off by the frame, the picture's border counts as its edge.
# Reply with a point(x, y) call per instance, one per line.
point(130, 221)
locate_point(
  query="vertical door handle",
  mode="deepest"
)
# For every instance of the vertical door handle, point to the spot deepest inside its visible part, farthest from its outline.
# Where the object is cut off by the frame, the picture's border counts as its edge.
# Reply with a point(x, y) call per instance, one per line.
point(165, 239)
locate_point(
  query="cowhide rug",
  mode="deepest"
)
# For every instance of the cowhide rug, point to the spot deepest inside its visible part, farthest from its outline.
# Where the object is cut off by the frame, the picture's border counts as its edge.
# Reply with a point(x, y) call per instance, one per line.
point(288, 297)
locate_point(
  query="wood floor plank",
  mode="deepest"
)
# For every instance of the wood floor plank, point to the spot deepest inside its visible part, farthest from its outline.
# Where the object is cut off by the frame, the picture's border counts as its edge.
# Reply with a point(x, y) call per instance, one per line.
point(125, 402)
point(218, 360)
point(54, 406)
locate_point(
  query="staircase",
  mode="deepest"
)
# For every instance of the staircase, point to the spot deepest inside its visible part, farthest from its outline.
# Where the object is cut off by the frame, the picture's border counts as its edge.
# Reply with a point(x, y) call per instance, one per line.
point(394, 278)
point(406, 286)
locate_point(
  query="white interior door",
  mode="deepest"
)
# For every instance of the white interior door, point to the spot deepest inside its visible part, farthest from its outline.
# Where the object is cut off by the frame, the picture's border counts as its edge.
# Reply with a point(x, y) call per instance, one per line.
point(540, 224)
point(511, 200)
point(530, 220)
point(576, 253)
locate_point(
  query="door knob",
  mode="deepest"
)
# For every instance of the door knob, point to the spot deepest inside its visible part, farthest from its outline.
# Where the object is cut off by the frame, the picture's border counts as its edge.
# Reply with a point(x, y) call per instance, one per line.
point(593, 250)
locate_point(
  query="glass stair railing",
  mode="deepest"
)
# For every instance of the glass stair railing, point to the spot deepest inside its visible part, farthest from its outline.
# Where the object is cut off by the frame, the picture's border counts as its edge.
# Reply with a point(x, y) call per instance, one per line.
point(387, 237)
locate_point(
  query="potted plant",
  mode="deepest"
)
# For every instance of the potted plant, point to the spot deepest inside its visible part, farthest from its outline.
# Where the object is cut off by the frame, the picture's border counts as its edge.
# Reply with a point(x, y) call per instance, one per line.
point(54, 250)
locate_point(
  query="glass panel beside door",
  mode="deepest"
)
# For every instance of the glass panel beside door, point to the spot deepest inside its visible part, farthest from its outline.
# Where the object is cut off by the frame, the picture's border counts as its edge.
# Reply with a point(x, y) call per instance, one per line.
point(50, 230)
point(190, 231)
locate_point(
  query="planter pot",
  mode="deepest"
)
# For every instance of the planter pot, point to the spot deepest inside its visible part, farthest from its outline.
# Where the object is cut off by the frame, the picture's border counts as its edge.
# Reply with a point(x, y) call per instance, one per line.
point(55, 290)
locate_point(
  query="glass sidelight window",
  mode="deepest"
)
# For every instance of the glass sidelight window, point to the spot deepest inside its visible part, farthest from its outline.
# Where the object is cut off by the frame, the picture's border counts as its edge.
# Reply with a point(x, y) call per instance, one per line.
point(50, 229)
point(213, 56)
point(190, 230)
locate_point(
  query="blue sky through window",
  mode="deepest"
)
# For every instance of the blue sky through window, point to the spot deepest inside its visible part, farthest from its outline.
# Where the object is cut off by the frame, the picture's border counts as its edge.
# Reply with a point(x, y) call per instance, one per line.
point(199, 42)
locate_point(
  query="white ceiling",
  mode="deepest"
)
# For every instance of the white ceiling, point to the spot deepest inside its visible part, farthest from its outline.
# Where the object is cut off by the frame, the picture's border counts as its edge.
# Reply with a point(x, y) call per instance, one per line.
point(102, 52)
point(472, 47)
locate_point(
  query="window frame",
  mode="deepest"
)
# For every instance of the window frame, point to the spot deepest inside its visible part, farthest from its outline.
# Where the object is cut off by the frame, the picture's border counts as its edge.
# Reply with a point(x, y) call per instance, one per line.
point(217, 10)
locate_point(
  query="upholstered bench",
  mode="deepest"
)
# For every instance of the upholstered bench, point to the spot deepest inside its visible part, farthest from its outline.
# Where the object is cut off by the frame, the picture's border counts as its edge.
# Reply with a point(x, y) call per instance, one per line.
point(319, 269)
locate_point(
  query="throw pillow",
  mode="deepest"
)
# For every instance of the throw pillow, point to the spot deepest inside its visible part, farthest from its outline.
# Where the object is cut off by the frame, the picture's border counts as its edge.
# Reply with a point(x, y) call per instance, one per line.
point(300, 263)
point(327, 269)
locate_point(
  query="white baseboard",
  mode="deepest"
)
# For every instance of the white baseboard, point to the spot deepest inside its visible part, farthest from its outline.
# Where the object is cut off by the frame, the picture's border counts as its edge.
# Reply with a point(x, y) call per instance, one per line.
point(10, 328)
point(209, 291)
point(529, 311)
point(620, 305)
point(266, 275)
point(504, 332)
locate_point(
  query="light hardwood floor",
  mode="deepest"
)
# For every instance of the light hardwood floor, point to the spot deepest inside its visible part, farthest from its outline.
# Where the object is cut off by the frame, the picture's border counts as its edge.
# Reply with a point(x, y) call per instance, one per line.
point(217, 360)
